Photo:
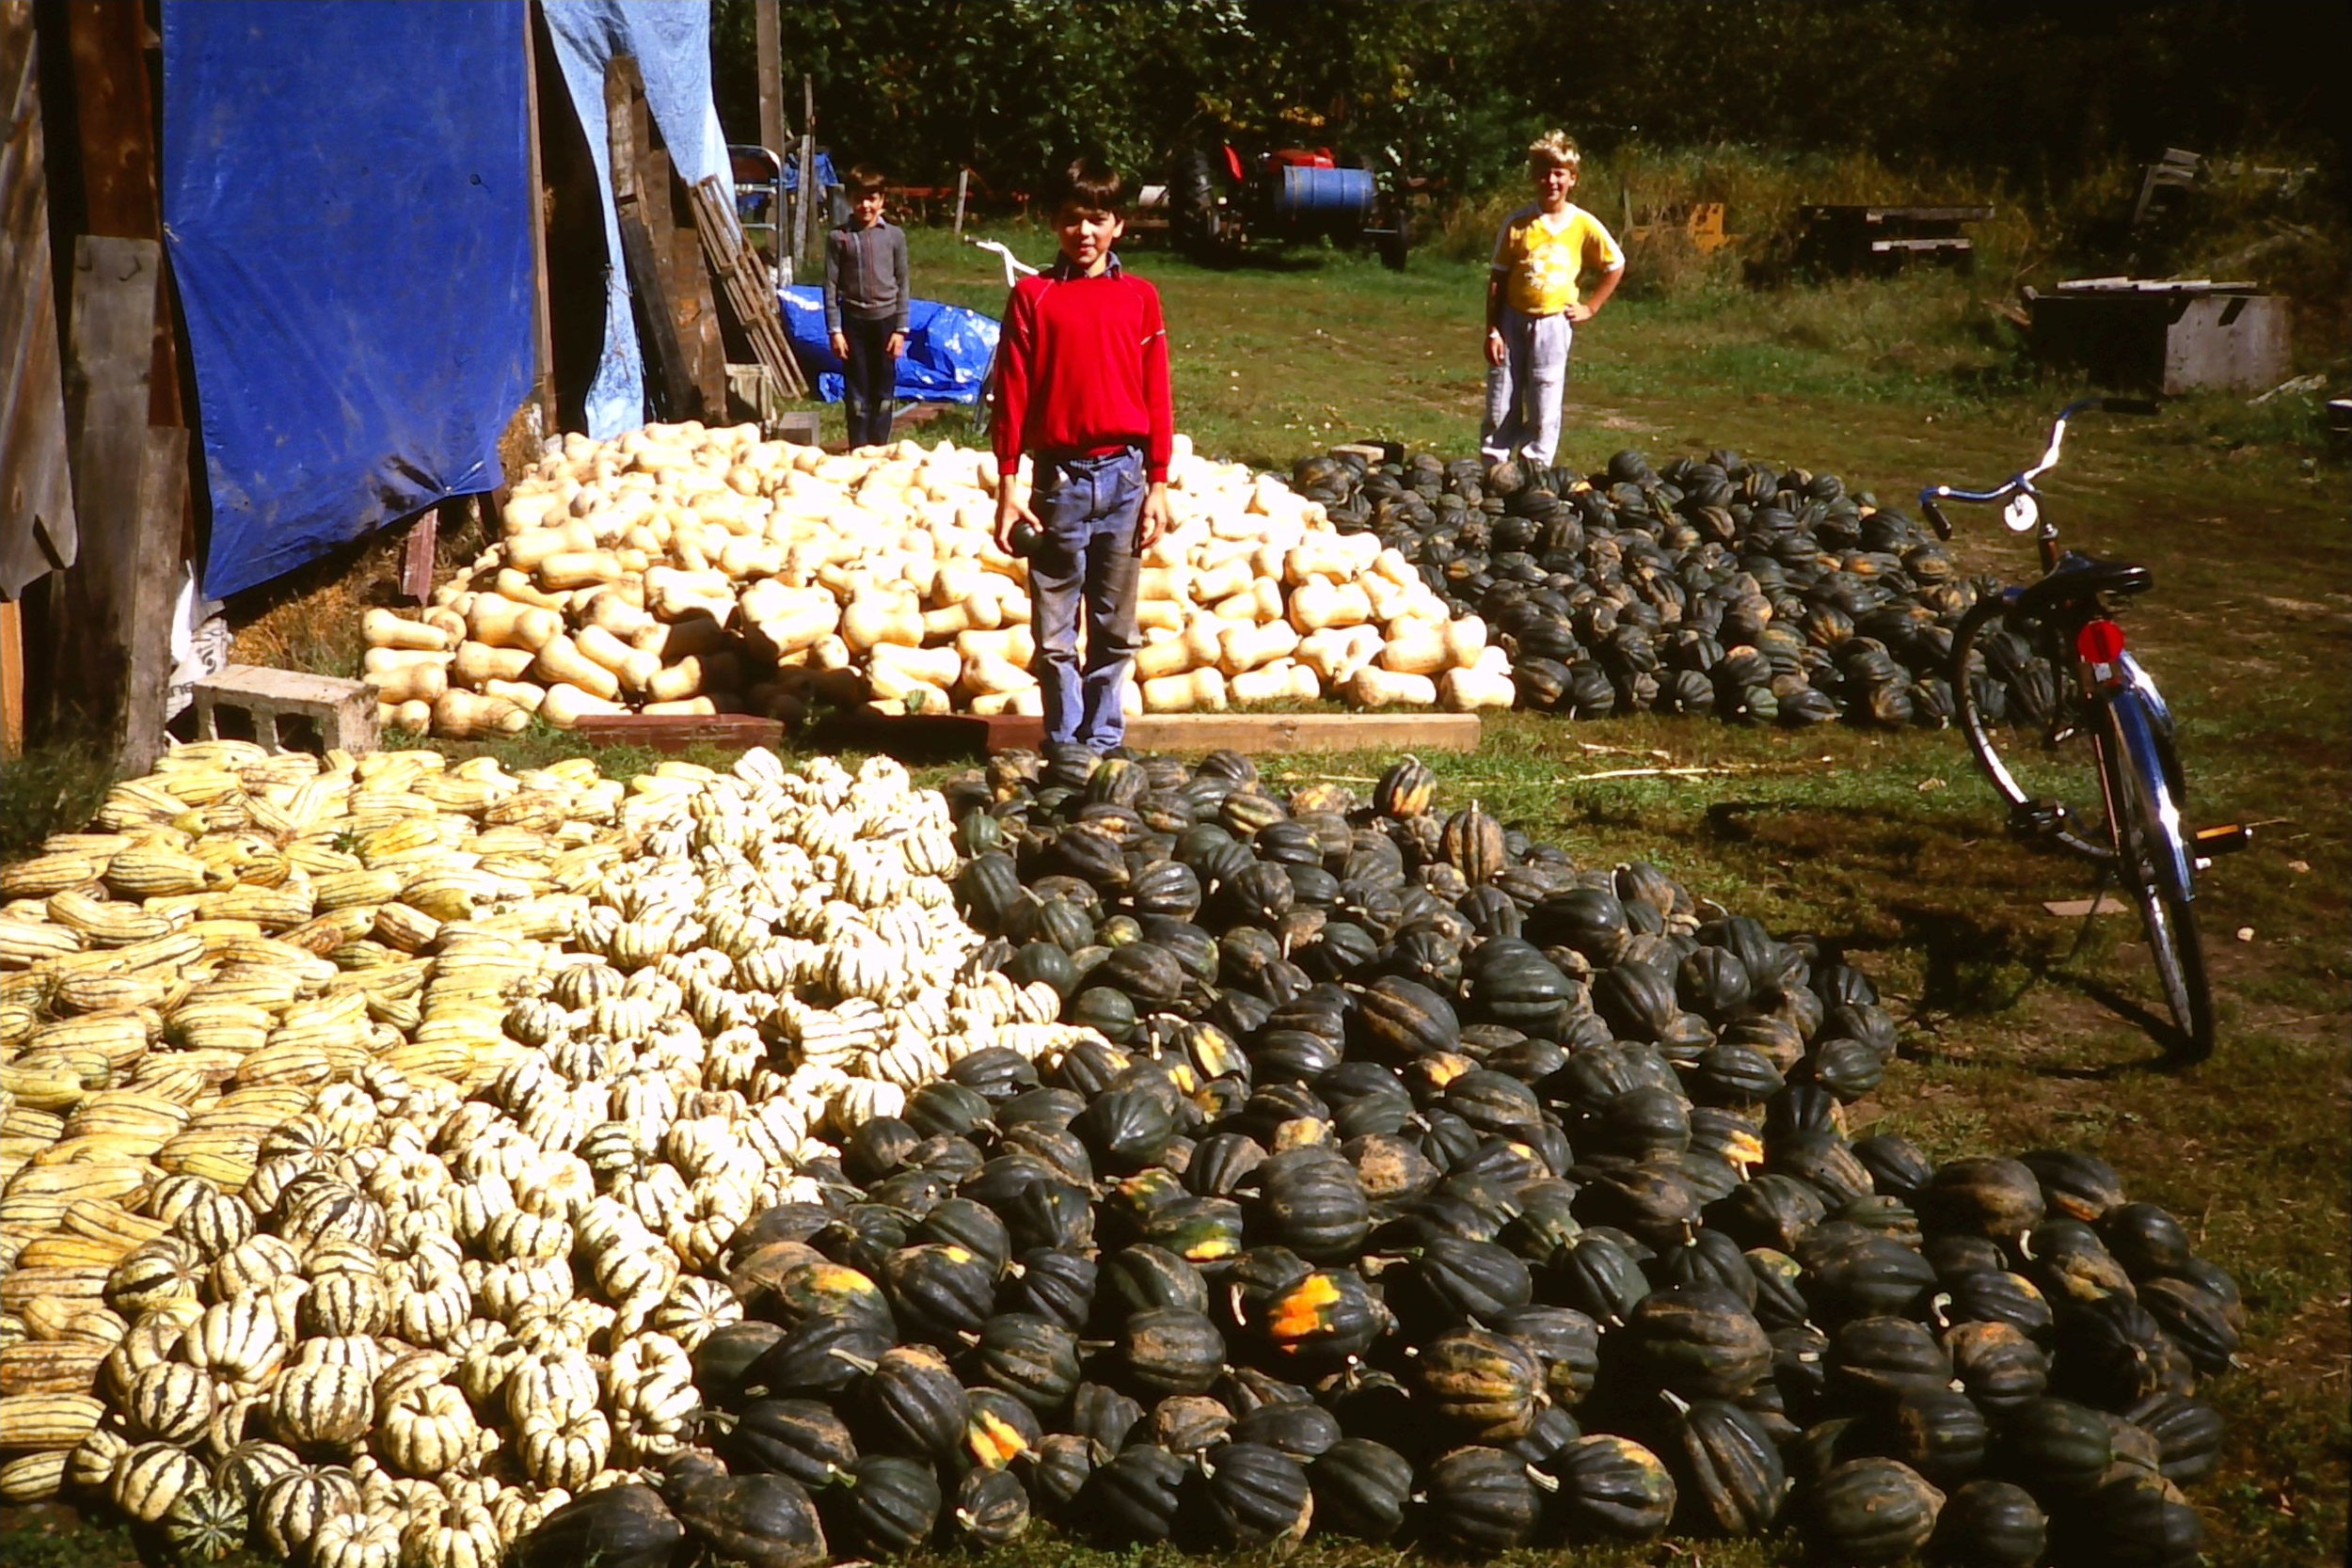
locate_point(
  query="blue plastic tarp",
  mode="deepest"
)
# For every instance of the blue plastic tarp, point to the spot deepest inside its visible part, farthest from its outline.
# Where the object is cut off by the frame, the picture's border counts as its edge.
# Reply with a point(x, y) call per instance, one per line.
point(670, 41)
point(347, 202)
point(825, 180)
point(948, 348)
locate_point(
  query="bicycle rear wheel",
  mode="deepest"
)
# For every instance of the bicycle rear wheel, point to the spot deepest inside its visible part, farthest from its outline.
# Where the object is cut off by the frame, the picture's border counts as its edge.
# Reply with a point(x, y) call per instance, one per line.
point(2158, 863)
point(2010, 679)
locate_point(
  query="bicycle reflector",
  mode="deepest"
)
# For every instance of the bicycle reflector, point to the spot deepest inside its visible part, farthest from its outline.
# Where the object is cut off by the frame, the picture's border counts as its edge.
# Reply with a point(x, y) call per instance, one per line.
point(2101, 644)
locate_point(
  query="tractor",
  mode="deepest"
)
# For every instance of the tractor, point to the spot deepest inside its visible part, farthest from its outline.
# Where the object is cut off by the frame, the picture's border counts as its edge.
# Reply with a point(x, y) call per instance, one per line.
point(1219, 202)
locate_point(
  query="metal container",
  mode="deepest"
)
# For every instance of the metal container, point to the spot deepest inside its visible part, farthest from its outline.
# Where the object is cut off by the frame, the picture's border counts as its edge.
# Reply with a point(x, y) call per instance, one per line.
point(1334, 199)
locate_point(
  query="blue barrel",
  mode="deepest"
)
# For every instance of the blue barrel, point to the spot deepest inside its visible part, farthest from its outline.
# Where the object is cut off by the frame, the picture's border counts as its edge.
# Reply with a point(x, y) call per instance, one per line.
point(1325, 198)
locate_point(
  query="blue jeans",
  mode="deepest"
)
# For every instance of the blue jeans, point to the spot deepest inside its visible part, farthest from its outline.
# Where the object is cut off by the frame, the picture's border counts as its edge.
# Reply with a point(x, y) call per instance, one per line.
point(1089, 510)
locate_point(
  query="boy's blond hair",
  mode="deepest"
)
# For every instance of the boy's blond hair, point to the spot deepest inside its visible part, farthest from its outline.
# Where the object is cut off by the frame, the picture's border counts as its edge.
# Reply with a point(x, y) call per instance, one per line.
point(1555, 148)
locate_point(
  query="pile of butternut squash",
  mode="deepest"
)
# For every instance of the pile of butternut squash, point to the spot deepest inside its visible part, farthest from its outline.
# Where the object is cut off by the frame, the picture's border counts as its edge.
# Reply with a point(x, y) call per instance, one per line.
point(683, 569)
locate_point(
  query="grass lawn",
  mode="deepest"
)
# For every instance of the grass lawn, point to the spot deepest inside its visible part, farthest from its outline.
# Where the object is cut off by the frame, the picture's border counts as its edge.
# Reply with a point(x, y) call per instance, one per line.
point(2021, 1029)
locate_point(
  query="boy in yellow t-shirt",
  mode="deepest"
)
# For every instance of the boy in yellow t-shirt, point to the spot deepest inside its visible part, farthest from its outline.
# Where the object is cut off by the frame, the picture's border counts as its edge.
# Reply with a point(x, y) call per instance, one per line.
point(1533, 304)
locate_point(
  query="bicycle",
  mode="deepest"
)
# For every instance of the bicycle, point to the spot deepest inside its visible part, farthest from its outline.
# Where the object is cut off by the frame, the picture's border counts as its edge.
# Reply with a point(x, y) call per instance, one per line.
point(2103, 697)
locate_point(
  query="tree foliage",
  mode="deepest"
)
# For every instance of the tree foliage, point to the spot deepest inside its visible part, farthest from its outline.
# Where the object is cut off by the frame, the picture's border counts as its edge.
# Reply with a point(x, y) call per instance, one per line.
point(1454, 86)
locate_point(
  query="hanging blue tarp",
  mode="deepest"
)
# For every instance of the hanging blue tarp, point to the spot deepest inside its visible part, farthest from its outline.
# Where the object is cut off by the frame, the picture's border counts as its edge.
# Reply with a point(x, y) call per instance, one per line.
point(669, 40)
point(347, 202)
point(948, 348)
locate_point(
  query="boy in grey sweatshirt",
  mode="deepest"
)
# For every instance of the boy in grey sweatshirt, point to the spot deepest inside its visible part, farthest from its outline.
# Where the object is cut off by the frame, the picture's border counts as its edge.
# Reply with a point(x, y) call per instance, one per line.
point(865, 306)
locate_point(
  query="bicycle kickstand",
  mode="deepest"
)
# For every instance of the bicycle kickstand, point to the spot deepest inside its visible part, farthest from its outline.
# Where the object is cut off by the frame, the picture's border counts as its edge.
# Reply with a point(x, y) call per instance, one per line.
point(2039, 819)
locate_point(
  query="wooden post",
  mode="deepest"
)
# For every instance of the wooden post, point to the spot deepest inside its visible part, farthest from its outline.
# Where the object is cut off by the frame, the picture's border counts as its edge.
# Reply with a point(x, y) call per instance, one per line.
point(113, 117)
point(11, 680)
point(155, 580)
point(109, 618)
point(542, 320)
point(770, 46)
point(963, 185)
point(812, 200)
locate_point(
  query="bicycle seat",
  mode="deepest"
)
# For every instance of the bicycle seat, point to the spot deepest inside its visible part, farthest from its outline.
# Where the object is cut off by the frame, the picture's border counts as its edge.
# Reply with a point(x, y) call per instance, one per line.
point(2080, 579)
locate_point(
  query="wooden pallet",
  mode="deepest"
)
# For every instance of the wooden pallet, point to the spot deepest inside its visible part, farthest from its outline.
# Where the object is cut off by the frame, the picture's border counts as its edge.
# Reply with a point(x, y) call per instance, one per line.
point(742, 280)
point(942, 734)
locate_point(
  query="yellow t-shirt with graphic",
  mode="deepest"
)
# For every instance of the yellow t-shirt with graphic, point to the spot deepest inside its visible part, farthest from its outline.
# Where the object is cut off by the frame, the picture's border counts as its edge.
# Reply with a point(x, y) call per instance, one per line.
point(1542, 258)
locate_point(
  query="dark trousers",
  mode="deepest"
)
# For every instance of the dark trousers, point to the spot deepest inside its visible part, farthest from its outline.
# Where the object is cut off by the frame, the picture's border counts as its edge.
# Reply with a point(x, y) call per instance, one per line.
point(869, 380)
point(1089, 510)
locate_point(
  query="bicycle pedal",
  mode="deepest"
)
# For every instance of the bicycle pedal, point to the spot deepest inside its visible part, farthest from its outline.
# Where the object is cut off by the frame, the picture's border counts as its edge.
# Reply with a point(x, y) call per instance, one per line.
point(2227, 839)
point(2038, 818)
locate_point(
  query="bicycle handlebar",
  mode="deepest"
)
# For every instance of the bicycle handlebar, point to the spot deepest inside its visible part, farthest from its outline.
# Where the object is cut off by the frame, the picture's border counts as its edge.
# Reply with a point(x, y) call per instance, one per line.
point(2023, 481)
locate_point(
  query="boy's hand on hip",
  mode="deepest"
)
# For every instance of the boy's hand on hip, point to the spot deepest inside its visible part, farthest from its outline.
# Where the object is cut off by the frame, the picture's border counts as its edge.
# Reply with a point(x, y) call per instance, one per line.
point(1155, 520)
point(898, 345)
point(840, 345)
point(1008, 511)
point(1580, 313)
point(1495, 355)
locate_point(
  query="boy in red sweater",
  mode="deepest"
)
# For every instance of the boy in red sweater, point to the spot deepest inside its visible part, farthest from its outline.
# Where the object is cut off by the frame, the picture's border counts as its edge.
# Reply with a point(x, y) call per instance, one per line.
point(1083, 392)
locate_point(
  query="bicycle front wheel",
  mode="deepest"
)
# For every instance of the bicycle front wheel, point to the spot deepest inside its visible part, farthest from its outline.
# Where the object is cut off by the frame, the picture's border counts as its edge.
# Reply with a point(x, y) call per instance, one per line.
point(2012, 681)
point(2158, 863)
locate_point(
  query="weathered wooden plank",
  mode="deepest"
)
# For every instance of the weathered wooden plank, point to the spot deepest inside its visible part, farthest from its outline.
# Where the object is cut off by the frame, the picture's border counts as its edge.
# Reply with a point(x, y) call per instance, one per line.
point(419, 546)
point(154, 574)
point(93, 608)
point(120, 194)
point(670, 732)
point(1258, 733)
point(644, 242)
point(37, 526)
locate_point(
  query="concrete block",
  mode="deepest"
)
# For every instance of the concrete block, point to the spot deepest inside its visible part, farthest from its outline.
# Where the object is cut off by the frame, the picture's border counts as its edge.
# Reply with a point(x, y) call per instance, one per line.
point(286, 710)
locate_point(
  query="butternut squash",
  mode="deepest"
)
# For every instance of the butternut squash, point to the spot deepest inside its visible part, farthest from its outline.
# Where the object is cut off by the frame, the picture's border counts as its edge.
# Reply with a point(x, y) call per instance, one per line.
point(477, 663)
point(671, 641)
point(527, 551)
point(1245, 648)
point(561, 661)
point(1199, 691)
point(939, 667)
point(566, 704)
point(1282, 680)
point(1415, 648)
point(464, 716)
point(409, 683)
point(874, 618)
point(383, 629)
point(1465, 690)
point(1159, 615)
point(1337, 652)
point(526, 695)
point(1372, 687)
point(531, 630)
point(1014, 644)
point(1319, 606)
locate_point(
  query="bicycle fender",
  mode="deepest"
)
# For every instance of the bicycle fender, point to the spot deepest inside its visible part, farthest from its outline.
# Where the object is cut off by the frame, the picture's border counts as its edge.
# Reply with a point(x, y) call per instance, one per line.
point(2146, 752)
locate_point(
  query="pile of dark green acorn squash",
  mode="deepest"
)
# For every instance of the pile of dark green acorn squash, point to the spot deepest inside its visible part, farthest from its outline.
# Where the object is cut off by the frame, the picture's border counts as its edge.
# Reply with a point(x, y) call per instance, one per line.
point(1710, 585)
point(1429, 1188)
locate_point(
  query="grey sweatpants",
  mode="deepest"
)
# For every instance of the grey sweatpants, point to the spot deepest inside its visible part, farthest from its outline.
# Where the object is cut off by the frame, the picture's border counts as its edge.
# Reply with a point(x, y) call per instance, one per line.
point(1523, 392)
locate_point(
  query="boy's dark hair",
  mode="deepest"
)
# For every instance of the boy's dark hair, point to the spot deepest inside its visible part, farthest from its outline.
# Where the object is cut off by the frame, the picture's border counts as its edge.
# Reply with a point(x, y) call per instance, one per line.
point(1090, 186)
point(864, 180)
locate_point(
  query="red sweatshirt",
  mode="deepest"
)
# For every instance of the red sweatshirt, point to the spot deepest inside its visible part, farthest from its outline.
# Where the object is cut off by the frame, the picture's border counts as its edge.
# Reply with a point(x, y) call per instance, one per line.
point(1081, 367)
